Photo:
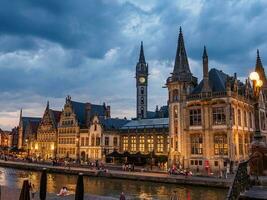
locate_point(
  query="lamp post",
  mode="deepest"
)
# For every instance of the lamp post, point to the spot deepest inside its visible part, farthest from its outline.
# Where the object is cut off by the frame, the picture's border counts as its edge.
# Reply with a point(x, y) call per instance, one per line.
point(27, 147)
point(78, 150)
point(257, 84)
point(258, 146)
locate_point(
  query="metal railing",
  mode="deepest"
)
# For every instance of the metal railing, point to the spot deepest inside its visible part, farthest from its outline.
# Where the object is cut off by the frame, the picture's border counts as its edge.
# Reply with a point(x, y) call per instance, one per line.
point(241, 181)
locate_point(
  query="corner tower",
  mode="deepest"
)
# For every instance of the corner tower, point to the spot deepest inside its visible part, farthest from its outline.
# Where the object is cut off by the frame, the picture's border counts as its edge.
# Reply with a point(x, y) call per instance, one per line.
point(141, 85)
point(180, 83)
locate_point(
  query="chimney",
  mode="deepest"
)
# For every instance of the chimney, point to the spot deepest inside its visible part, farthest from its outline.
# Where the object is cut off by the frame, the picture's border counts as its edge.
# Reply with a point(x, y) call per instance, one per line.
point(87, 114)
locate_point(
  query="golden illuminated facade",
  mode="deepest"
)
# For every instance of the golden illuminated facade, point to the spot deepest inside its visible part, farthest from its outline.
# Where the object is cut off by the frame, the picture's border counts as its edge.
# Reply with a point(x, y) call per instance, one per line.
point(86, 131)
point(100, 139)
point(45, 146)
point(211, 123)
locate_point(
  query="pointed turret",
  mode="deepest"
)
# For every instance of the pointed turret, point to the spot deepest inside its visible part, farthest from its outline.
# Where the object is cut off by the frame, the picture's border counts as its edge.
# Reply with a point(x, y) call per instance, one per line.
point(259, 68)
point(142, 55)
point(205, 59)
point(181, 62)
point(20, 115)
point(47, 105)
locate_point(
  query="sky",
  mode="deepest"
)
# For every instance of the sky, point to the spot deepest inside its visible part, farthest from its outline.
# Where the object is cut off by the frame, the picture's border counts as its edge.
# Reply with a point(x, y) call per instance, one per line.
point(89, 49)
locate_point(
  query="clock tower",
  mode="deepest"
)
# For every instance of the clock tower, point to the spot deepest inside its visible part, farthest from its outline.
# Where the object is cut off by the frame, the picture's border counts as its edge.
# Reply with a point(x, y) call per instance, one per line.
point(141, 85)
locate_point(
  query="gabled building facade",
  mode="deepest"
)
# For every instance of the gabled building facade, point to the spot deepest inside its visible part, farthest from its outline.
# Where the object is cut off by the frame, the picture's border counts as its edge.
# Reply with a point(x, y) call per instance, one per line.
point(27, 131)
point(75, 119)
point(211, 123)
point(101, 138)
point(46, 142)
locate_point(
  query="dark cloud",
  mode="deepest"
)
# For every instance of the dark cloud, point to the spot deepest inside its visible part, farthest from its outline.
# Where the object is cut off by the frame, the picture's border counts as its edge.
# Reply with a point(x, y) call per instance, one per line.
point(89, 49)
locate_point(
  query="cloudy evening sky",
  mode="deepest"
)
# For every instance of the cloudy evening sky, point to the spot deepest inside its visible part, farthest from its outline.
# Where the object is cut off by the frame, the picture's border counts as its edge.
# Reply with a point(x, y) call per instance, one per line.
point(89, 48)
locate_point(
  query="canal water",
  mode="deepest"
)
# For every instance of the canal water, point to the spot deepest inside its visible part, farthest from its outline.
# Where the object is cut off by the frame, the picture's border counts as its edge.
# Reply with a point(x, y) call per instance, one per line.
point(112, 187)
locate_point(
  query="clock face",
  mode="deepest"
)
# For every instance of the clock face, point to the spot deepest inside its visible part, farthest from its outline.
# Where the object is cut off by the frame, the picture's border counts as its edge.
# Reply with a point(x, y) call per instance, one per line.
point(142, 80)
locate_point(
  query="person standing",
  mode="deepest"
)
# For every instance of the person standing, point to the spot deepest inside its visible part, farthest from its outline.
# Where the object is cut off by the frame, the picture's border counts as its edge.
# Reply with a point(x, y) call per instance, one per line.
point(174, 195)
point(32, 190)
point(122, 196)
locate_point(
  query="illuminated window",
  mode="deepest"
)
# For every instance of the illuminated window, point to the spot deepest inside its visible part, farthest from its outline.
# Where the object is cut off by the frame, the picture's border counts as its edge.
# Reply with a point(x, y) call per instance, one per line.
point(195, 117)
point(218, 114)
point(150, 143)
point(141, 143)
point(220, 144)
point(240, 142)
point(133, 143)
point(175, 112)
point(196, 144)
point(125, 143)
point(160, 143)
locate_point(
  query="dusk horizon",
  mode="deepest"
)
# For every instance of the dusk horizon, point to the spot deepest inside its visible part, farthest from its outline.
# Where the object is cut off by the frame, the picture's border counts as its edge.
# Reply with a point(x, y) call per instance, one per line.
point(91, 53)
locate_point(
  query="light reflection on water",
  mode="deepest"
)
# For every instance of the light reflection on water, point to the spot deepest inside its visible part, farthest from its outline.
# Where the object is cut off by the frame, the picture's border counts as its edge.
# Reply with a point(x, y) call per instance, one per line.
point(111, 187)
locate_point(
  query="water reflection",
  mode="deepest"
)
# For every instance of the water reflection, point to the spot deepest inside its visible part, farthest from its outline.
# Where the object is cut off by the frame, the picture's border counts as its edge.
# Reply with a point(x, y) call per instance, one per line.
point(111, 187)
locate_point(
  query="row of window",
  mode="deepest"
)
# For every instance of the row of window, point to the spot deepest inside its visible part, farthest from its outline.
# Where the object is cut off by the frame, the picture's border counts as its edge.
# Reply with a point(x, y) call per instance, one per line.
point(67, 122)
point(219, 117)
point(66, 151)
point(66, 140)
point(220, 144)
point(66, 130)
point(85, 141)
point(200, 163)
point(141, 147)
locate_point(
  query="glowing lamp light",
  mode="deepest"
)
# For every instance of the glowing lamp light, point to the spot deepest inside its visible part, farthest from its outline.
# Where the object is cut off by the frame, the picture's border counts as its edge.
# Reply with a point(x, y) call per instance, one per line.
point(254, 76)
point(259, 83)
point(36, 147)
point(52, 147)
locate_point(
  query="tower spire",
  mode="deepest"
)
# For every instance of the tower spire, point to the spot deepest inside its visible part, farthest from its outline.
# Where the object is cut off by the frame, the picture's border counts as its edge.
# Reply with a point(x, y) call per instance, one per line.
point(142, 55)
point(47, 105)
point(205, 59)
point(20, 115)
point(181, 62)
point(259, 68)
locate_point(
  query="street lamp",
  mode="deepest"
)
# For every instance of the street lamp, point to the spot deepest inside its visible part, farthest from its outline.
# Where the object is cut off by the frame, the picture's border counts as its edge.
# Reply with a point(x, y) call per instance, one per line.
point(257, 84)
point(258, 146)
point(78, 150)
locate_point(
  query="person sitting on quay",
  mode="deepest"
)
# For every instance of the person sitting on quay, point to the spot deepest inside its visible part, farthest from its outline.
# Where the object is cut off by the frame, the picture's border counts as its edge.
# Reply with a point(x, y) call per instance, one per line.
point(63, 192)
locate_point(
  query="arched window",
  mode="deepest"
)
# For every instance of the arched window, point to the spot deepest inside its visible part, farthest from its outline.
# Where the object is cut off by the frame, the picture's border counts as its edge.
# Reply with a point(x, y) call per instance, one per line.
point(142, 111)
point(175, 95)
point(142, 100)
point(142, 90)
point(95, 126)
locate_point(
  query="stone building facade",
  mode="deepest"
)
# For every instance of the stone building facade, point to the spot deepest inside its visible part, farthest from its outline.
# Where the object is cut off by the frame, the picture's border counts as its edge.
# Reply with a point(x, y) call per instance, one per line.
point(27, 131)
point(46, 142)
point(84, 131)
point(145, 136)
point(101, 138)
point(211, 123)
